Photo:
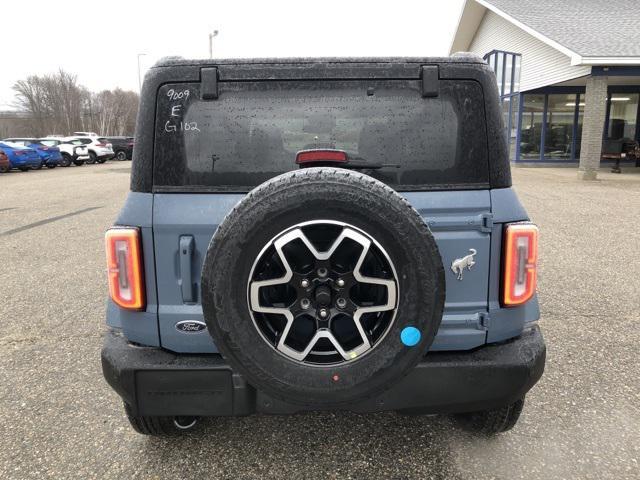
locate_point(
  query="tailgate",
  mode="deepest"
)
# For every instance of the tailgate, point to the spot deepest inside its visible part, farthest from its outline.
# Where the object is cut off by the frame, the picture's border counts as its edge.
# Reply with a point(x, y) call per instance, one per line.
point(183, 225)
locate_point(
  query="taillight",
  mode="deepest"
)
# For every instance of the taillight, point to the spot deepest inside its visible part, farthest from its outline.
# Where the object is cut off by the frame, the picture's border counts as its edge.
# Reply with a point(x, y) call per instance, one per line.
point(316, 156)
point(20, 152)
point(520, 269)
point(124, 267)
point(101, 144)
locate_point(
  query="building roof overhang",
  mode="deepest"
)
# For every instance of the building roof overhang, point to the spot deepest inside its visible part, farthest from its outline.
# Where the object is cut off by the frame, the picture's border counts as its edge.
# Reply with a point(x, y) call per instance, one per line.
point(474, 10)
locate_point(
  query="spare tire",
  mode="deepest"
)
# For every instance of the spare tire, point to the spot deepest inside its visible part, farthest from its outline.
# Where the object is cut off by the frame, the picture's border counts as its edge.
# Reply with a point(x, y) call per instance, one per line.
point(323, 287)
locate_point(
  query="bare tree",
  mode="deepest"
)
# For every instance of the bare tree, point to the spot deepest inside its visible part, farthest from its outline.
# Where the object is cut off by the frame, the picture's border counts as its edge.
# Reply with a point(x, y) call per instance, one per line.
point(31, 97)
point(57, 103)
point(115, 111)
point(70, 97)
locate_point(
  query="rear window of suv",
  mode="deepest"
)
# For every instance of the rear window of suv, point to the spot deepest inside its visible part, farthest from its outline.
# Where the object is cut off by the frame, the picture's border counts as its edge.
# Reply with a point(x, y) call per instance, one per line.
point(254, 130)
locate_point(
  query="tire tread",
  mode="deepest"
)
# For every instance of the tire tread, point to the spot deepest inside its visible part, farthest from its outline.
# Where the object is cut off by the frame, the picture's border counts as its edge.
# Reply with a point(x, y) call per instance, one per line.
point(494, 421)
point(151, 425)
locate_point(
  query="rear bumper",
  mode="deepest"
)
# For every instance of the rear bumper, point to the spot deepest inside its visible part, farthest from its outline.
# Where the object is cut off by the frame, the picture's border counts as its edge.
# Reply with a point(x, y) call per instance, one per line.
point(26, 162)
point(104, 153)
point(157, 382)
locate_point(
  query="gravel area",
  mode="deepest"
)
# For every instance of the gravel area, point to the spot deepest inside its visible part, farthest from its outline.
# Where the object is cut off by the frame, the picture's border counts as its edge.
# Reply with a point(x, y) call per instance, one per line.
point(59, 419)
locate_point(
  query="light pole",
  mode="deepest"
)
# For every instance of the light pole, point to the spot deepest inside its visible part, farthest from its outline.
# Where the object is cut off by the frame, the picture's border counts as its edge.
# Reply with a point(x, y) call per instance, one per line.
point(211, 35)
point(139, 76)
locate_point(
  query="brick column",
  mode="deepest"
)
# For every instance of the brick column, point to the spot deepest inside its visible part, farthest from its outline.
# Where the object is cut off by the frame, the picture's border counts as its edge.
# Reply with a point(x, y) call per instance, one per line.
point(595, 111)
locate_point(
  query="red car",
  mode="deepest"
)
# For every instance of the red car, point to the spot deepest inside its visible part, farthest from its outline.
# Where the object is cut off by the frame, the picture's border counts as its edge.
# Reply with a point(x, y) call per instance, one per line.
point(5, 166)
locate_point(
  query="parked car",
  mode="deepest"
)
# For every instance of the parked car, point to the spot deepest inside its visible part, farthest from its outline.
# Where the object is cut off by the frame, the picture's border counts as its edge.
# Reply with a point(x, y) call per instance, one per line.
point(99, 149)
point(363, 250)
point(21, 157)
point(122, 147)
point(72, 150)
point(5, 166)
point(50, 156)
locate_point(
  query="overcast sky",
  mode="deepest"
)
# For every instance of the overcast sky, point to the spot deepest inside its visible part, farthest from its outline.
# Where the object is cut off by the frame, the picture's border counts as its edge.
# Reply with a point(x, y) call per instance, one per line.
point(99, 40)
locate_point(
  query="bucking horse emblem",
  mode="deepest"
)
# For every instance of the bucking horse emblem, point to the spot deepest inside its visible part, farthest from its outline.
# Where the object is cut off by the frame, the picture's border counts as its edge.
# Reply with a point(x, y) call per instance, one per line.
point(459, 264)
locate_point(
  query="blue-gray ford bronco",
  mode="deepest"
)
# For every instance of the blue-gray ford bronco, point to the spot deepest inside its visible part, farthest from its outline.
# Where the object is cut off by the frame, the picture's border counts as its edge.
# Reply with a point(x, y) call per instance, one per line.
point(321, 234)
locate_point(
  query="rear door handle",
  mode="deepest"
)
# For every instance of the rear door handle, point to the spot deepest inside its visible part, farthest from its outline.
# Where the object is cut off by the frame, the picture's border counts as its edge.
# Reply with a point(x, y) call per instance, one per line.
point(186, 259)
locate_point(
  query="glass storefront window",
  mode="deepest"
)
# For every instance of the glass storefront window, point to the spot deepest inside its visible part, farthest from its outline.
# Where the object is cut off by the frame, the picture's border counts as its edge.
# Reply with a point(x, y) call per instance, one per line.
point(516, 73)
point(558, 139)
point(505, 114)
point(492, 61)
point(531, 131)
point(499, 65)
point(513, 132)
point(508, 70)
point(557, 116)
point(623, 113)
point(506, 66)
point(579, 125)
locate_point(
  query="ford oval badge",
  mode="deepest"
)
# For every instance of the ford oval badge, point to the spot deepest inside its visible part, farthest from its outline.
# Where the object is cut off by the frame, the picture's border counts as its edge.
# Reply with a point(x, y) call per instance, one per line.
point(191, 326)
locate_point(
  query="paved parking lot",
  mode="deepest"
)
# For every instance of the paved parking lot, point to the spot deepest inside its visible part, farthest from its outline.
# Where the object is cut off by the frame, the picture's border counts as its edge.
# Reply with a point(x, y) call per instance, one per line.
point(58, 418)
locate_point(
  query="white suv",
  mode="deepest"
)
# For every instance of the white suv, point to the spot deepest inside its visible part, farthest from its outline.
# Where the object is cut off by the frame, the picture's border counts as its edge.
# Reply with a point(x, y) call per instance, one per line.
point(99, 149)
point(72, 150)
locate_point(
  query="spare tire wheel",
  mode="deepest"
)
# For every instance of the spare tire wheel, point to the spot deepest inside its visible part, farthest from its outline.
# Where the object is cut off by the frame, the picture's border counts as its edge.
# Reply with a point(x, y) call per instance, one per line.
point(323, 287)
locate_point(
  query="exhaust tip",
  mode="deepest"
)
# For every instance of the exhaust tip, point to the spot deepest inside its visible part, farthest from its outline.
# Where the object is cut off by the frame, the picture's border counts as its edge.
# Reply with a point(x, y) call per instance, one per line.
point(184, 423)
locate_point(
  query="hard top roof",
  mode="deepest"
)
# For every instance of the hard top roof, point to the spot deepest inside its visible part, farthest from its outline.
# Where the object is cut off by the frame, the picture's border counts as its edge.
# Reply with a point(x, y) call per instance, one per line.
point(463, 57)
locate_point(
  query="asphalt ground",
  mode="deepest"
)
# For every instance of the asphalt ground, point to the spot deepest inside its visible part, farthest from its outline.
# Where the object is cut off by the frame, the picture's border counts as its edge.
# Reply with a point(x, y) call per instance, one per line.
point(59, 419)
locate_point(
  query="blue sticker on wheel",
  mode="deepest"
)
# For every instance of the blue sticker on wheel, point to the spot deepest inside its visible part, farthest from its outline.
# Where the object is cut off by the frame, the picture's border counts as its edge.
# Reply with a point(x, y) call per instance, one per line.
point(410, 336)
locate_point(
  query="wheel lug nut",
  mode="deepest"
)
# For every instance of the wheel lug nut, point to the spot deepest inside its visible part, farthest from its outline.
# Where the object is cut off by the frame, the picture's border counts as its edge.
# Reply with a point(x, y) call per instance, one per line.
point(341, 302)
point(340, 282)
point(304, 283)
point(305, 303)
point(323, 313)
point(322, 272)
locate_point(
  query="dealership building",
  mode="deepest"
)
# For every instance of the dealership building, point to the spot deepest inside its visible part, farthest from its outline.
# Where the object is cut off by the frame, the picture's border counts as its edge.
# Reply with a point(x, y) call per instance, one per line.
point(568, 73)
